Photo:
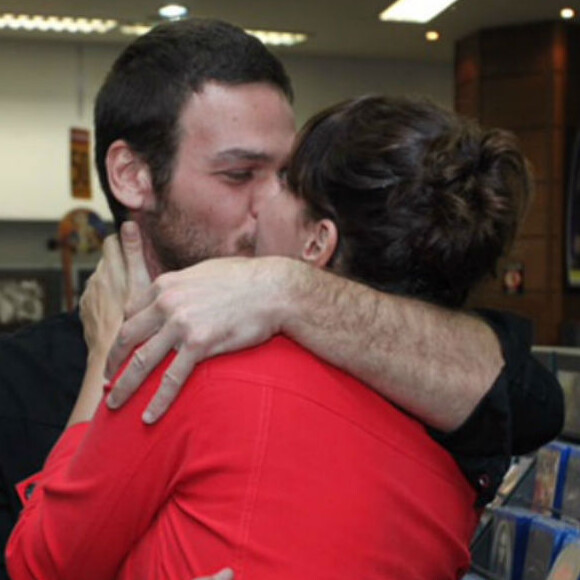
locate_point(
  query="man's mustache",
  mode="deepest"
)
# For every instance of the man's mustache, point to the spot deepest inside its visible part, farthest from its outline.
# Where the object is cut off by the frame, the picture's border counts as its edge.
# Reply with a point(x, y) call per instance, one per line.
point(246, 245)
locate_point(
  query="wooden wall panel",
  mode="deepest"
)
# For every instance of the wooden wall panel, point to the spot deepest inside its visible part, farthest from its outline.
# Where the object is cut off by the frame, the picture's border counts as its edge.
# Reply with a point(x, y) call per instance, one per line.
point(535, 144)
point(556, 274)
point(536, 220)
point(558, 104)
point(530, 83)
point(467, 99)
point(558, 150)
point(516, 50)
point(516, 102)
point(467, 60)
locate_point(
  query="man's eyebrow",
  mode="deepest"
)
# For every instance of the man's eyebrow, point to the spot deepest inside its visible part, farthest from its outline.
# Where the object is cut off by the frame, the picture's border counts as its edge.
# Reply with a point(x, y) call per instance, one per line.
point(240, 154)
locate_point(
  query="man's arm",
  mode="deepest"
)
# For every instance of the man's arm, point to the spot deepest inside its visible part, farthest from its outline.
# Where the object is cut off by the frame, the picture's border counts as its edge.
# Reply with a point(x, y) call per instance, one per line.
point(435, 363)
point(440, 364)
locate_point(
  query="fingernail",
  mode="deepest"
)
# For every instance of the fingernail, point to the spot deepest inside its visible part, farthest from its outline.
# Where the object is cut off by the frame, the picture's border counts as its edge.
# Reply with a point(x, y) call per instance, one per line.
point(112, 403)
point(148, 417)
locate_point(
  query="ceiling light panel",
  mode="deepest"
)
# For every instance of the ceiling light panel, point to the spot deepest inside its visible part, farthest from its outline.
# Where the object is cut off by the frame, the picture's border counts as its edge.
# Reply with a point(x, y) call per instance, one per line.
point(415, 10)
point(567, 13)
point(56, 24)
point(274, 38)
point(269, 37)
point(68, 24)
point(135, 29)
point(173, 11)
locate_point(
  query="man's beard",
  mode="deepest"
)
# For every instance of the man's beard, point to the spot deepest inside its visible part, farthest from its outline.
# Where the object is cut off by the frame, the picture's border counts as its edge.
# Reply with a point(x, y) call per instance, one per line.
point(179, 242)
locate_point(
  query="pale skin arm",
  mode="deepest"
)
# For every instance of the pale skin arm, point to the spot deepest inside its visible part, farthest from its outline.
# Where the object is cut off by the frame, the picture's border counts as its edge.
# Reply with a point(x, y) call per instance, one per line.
point(101, 309)
point(435, 363)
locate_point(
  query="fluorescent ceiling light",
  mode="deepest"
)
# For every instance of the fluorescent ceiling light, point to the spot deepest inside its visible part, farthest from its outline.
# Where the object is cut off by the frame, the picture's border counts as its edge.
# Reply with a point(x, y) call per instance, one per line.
point(55, 24)
point(415, 10)
point(274, 38)
point(68, 24)
point(135, 29)
point(567, 13)
point(173, 11)
point(270, 37)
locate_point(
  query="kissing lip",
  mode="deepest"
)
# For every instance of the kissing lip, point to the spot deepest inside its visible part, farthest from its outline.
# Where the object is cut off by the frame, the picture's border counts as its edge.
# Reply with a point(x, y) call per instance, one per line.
point(246, 246)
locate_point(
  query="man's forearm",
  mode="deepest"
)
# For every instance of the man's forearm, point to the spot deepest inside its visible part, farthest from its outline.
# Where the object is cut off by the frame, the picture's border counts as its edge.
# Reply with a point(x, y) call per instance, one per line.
point(435, 363)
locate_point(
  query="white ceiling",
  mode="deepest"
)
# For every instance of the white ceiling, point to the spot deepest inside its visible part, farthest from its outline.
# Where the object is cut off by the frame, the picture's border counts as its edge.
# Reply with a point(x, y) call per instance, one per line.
point(337, 27)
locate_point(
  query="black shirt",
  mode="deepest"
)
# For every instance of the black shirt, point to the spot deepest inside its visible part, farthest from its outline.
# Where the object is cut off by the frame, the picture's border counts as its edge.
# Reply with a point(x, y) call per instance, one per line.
point(41, 370)
point(523, 410)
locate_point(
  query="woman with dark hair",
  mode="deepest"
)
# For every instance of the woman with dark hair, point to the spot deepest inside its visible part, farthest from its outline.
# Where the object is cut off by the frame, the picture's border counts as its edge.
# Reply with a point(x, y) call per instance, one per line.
point(417, 201)
point(273, 461)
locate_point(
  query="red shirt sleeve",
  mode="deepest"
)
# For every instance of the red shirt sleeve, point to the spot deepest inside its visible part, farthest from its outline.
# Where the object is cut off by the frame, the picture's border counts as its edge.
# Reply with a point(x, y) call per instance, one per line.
point(89, 473)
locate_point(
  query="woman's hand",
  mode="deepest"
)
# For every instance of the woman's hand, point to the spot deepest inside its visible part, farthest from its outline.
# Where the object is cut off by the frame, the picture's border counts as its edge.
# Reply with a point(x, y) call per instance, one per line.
point(101, 310)
point(103, 301)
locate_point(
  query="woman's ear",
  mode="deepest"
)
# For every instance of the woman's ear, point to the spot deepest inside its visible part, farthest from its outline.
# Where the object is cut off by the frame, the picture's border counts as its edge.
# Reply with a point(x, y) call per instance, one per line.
point(320, 243)
point(129, 177)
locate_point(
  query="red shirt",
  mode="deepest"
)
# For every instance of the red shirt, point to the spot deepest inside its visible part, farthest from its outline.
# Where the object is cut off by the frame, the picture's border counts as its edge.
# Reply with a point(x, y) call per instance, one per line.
point(271, 461)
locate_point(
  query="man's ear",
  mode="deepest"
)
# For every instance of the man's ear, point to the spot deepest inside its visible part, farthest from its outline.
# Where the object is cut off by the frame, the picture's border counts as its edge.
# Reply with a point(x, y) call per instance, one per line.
point(129, 177)
point(321, 243)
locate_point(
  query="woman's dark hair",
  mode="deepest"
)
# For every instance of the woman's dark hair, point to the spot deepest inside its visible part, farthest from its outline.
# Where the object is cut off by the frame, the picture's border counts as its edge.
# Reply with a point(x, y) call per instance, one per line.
point(425, 202)
point(144, 94)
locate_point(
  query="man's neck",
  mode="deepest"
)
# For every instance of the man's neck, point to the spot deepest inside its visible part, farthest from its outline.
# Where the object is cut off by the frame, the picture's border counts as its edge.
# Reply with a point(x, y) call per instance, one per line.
point(152, 261)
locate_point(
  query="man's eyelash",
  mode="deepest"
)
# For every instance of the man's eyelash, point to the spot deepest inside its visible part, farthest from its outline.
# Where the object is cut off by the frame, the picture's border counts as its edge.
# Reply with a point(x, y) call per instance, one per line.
point(238, 175)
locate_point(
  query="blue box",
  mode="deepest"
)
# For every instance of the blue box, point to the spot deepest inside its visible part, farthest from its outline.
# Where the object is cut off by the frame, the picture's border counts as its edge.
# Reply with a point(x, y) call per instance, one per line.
point(571, 491)
point(545, 540)
point(551, 466)
point(510, 538)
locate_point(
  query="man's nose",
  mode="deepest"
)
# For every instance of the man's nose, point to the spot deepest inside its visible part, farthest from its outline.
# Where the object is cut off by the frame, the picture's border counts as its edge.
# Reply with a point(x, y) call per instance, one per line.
point(264, 192)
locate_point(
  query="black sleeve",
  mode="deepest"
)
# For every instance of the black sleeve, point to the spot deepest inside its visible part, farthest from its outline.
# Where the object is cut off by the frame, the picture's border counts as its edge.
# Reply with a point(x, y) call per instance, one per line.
point(523, 410)
point(41, 369)
point(536, 398)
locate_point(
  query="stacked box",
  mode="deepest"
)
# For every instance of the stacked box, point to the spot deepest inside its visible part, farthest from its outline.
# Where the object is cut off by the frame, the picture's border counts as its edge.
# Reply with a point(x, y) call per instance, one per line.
point(551, 465)
point(571, 492)
point(510, 537)
point(545, 540)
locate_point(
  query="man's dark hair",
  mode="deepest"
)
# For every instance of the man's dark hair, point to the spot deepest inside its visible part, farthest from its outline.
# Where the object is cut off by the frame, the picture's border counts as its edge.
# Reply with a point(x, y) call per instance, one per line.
point(145, 92)
point(425, 202)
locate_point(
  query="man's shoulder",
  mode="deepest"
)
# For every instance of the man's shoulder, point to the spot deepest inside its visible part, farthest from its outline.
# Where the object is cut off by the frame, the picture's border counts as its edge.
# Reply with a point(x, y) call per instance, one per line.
point(53, 339)
point(40, 365)
point(43, 334)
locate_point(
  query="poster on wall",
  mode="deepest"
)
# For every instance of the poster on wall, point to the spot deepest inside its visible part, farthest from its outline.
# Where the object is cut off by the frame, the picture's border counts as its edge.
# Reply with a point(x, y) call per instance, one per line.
point(513, 278)
point(80, 163)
